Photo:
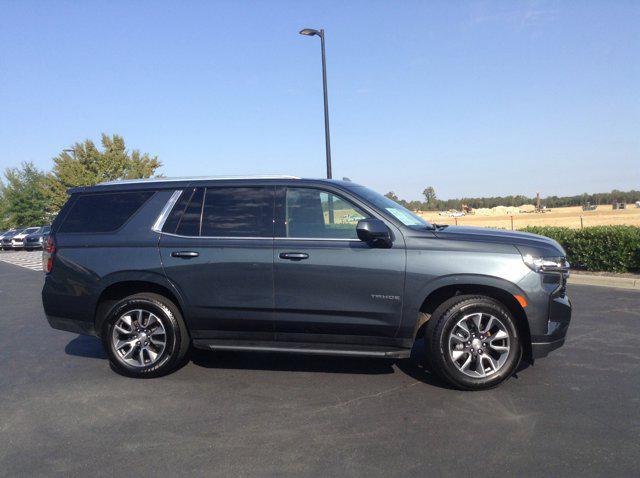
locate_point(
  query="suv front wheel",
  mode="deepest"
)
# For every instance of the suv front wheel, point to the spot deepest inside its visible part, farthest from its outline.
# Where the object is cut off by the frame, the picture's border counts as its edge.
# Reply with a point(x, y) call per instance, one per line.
point(144, 336)
point(472, 342)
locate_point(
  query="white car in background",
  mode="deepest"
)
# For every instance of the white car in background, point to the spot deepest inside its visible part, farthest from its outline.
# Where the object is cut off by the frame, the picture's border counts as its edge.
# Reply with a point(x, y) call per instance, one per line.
point(5, 238)
point(17, 241)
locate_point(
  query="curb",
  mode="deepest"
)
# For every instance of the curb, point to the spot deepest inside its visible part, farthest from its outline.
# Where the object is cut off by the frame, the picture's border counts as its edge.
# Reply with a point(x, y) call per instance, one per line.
point(605, 281)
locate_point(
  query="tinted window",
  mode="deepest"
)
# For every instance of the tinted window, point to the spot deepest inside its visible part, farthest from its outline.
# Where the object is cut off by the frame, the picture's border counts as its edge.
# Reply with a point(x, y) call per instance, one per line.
point(103, 212)
point(317, 213)
point(171, 224)
point(189, 223)
point(238, 212)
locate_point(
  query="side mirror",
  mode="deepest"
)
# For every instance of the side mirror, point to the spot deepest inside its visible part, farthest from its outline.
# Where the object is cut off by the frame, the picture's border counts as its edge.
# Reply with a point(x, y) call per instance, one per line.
point(374, 232)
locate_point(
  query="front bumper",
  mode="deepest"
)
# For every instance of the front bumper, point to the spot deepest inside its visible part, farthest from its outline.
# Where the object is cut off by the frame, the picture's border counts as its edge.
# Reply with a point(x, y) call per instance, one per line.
point(557, 326)
point(542, 349)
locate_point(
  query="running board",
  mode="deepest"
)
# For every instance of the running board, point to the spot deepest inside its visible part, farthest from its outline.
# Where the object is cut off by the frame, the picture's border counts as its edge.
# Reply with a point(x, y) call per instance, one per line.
point(303, 348)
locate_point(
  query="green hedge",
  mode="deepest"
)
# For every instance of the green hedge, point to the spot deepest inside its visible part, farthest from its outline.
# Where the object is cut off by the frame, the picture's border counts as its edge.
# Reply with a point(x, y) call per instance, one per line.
point(599, 248)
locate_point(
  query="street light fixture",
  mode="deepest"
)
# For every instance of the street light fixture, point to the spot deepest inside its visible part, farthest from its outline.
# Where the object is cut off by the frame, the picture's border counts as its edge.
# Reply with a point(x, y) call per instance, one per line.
point(311, 32)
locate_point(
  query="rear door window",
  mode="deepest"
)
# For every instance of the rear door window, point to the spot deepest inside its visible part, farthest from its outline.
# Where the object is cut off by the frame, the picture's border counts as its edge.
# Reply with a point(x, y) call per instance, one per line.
point(238, 212)
point(189, 222)
point(104, 212)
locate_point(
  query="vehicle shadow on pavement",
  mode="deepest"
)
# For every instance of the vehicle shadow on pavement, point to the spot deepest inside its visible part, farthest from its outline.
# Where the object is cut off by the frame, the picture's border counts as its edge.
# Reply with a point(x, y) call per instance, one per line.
point(289, 362)
point(91, 347)
point(86, 346)
point(284, 362)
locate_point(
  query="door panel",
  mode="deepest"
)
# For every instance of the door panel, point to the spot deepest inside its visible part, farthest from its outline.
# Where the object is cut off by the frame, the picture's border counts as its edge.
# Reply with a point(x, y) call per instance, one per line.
point(217, 248)
point(327, 282)
point(228, 286)
point(343, 287)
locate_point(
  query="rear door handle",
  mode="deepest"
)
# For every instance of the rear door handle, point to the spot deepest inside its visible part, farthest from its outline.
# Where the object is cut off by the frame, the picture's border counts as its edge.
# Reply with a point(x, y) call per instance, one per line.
point(184, 254)
point(294, 256)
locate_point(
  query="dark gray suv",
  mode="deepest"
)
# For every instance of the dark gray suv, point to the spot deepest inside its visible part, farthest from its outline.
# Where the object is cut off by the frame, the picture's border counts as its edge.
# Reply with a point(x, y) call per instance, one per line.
point(284, 264)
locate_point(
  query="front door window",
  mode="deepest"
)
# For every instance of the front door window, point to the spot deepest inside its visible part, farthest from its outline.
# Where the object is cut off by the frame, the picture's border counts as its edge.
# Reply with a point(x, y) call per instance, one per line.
point(313, 213)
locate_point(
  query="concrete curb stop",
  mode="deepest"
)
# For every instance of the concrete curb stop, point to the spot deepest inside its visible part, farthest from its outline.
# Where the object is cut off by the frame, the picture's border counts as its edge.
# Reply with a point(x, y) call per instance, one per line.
point(605, 281)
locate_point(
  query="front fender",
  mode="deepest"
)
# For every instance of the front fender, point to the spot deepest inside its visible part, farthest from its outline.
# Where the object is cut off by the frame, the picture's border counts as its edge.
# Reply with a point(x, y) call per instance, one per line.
point(411, 309)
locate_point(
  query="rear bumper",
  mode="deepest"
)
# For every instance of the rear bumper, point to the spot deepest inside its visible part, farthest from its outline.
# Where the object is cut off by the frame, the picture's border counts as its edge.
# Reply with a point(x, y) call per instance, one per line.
point(69, 325)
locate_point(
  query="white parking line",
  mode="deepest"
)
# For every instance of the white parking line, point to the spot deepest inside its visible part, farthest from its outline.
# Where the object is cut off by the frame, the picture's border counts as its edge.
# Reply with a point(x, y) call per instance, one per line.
point(27, 259)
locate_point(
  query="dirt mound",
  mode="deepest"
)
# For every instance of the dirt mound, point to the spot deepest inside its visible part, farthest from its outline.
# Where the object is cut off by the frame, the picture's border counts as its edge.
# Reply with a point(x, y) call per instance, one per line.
point(503, 210)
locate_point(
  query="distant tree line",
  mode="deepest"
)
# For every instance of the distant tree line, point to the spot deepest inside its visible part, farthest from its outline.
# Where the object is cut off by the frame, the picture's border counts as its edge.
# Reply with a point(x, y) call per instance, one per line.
point(431, 202)
point(31, 197)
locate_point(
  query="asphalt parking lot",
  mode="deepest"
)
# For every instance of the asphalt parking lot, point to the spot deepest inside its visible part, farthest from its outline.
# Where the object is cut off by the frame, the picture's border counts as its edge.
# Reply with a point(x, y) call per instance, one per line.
point(64, 412)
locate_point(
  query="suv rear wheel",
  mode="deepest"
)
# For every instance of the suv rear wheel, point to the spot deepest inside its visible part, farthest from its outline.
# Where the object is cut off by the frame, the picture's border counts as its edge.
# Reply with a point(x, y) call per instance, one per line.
point(144, 336)
point(472, 342)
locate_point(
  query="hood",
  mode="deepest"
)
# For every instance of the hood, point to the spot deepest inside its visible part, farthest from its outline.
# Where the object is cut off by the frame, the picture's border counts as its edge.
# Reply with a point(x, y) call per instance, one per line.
point(10, 234)
point(524, 241)
point(24, 234)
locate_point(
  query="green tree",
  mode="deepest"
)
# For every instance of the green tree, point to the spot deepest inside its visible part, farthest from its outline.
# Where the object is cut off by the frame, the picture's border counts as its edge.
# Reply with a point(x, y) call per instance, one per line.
point(430, 197)
point(24, 200)
point(391, 195)
point(86, 165)
point(4, 214)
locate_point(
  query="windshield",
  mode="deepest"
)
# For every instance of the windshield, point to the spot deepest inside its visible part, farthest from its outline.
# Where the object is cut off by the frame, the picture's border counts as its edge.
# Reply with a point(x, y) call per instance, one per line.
point(401, 213)
point(30, 230)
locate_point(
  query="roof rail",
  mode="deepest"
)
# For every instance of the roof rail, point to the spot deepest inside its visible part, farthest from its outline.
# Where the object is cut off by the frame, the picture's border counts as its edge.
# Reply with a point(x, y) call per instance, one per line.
point(194, 178)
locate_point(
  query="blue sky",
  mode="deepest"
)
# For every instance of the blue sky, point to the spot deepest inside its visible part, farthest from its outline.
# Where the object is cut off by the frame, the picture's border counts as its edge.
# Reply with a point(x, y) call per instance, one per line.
point(473, 98)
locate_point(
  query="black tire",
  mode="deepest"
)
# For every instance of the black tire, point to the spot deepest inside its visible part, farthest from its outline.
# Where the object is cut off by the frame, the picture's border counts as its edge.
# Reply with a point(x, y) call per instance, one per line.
point(439, 327)
point(177, 336)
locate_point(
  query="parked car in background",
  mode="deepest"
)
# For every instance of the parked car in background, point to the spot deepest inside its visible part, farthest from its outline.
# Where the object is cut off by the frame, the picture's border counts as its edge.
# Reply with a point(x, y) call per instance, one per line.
point(17, 241)
point(36, 239)
point(293, 265)
point(6, 238)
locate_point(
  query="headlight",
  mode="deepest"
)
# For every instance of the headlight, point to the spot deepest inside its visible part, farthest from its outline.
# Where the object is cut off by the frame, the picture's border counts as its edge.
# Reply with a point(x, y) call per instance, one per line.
point(546, 264)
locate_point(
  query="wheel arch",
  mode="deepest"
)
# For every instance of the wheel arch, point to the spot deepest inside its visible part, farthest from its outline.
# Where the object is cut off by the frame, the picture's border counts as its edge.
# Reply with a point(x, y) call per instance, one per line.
point(498, 289)
point(123, 285)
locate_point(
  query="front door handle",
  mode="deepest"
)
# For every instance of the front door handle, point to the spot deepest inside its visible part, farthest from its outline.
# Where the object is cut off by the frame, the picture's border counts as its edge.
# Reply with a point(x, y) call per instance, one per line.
point(184, 254)
point(294, 256)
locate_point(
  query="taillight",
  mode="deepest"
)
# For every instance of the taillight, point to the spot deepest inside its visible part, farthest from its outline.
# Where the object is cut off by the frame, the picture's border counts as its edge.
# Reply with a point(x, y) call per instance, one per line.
point(48, 252)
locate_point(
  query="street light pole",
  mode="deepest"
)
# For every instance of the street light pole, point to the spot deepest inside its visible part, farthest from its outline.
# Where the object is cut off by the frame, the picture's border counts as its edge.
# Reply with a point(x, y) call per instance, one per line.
point(327, 139)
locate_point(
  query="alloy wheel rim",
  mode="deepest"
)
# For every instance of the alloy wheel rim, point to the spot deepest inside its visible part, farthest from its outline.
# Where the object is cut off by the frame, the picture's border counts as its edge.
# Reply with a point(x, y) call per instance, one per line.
point(139, 338)
point(479, 345)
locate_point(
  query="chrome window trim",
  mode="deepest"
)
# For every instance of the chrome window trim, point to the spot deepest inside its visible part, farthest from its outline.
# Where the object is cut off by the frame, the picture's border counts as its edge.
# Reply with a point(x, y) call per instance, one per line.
point(260, 237)
point(317, 239)
point(164, 214)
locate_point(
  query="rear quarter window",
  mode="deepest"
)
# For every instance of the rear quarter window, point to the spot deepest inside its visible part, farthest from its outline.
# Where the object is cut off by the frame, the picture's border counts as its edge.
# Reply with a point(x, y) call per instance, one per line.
point(104, 212)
